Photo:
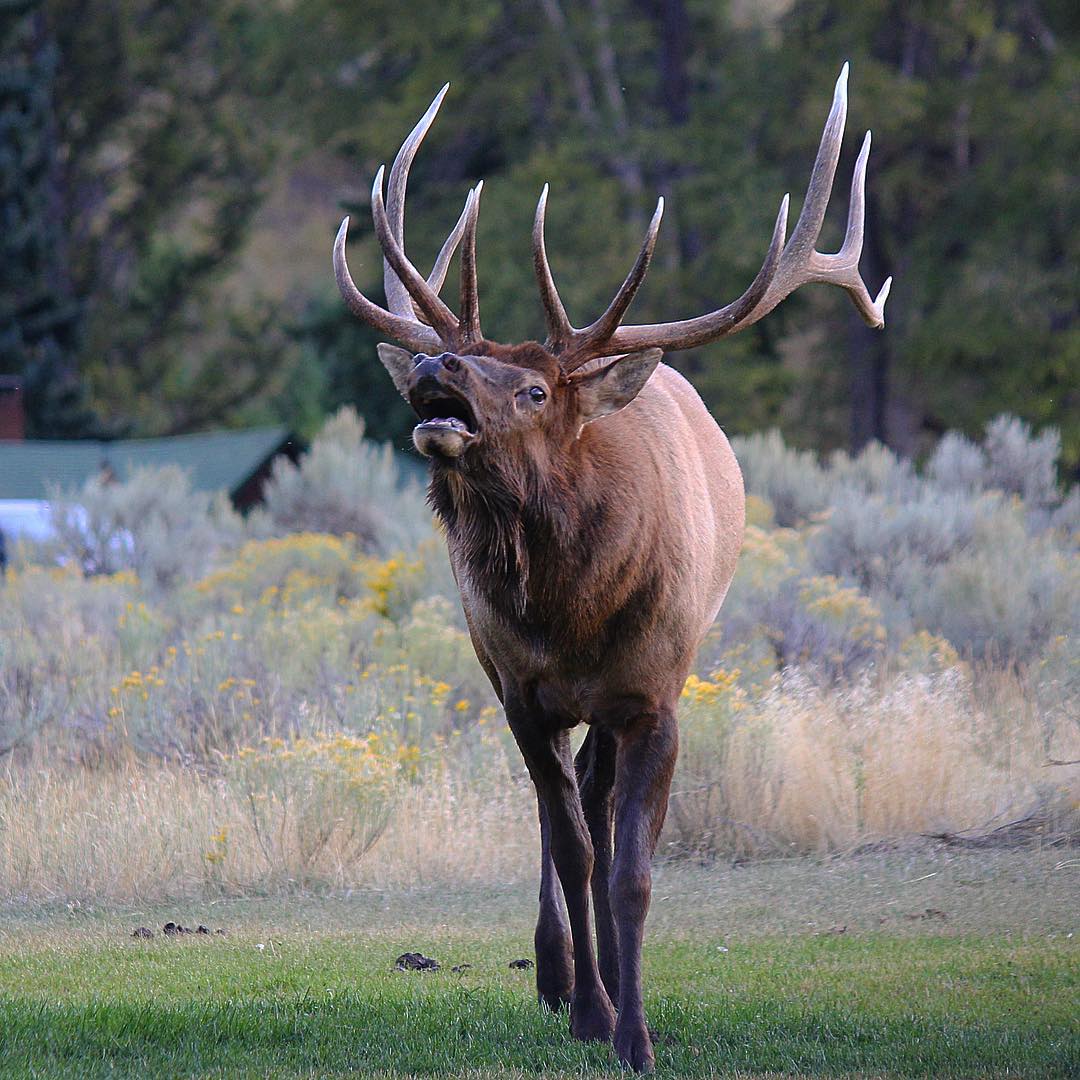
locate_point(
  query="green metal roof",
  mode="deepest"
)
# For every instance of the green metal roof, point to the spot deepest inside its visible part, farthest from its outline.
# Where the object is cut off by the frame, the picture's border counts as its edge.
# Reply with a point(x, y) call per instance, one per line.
point(221, 460)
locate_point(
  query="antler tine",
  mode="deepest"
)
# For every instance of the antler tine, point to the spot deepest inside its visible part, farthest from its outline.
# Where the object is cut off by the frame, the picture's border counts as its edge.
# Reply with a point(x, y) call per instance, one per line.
point(856, 220)
point(409, 332)
point(437, 277)
point(812, 216)
point(845, 263)
point(689, 333)
point(599, 332)
point(470, 296)
point(442, 319)
point(397, 296)
point(801, 262)
point(560, 332)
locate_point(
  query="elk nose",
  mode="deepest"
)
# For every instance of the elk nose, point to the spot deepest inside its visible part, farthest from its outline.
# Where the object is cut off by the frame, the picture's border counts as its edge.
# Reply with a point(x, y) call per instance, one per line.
point(427, 368)
point(450, 361)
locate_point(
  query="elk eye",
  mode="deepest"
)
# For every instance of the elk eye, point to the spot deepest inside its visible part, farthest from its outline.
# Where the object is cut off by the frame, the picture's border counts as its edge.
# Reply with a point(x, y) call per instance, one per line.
point(538, 394)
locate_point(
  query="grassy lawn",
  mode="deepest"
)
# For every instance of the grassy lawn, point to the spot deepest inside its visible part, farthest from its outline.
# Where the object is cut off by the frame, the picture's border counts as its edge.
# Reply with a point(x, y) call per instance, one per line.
point(320, 997)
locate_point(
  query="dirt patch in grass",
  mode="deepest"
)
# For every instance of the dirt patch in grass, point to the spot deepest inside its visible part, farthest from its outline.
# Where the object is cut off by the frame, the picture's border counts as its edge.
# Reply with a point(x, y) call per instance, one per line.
point(902, 890)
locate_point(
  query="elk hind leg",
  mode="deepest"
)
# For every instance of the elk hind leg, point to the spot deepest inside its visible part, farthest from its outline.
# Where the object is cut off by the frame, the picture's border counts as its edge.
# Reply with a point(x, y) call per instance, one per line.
point(595, 767)
point(644, 767)
point(554, 956)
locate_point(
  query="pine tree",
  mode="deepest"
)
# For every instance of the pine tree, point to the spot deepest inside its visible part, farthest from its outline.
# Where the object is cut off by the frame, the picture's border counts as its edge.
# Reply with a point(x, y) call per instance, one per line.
point(39, 320)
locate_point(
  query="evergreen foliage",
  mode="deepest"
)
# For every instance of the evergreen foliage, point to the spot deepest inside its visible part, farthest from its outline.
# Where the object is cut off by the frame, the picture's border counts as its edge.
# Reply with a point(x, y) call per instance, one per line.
point(171, 123)
point(39, 320)
point(165, 161)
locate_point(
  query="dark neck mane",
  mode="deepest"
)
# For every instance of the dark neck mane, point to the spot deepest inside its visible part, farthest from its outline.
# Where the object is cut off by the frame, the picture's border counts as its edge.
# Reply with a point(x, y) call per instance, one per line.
point(564, 554)
point(510, 528)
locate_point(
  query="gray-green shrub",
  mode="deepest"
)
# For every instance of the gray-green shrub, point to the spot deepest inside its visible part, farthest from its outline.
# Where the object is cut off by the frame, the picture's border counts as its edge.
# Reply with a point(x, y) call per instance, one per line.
point(150, 522)
point(791, 481)
point(346, 484)
point(981, 548)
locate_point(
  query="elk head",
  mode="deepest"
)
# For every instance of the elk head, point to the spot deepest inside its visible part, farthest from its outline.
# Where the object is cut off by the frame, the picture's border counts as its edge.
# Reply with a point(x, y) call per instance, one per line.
point(494, 398)
point(474, 397)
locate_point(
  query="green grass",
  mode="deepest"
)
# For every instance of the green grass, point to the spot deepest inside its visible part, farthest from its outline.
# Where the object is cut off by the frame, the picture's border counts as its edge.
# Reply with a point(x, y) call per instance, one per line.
point(84, 999)
point(986, 985)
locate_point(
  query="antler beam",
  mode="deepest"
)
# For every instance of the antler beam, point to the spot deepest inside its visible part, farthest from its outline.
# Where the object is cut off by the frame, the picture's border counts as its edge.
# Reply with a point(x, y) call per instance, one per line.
point(786, 267)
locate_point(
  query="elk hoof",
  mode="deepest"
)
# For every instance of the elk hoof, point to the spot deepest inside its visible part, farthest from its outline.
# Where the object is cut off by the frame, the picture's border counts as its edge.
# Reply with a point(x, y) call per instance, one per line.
point(592, 1016)
point(634, 1047)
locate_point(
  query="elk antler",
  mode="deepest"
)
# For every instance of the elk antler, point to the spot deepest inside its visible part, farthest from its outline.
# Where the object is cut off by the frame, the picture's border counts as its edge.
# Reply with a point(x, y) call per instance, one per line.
point(417, 317)
point(785, 268)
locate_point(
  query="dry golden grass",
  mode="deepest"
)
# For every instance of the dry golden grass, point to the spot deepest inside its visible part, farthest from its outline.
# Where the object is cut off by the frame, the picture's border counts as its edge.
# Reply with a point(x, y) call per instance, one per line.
point(809, 769)
point(799, 769)
point(150, 832)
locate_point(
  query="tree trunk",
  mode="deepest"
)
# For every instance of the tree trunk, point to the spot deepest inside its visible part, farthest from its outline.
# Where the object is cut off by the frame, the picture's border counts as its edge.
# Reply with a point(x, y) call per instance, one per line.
point(868, 383)
point(869, 359)
point(675, 36)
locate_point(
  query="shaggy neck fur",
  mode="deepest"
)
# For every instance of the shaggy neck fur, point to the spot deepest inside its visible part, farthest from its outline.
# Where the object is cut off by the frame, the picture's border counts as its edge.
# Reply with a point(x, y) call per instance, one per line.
point(561, 555)
point(502, 522)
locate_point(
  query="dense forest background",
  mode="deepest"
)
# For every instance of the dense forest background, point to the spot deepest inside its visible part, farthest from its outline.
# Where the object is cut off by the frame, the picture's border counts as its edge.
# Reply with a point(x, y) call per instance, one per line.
point(172, 175)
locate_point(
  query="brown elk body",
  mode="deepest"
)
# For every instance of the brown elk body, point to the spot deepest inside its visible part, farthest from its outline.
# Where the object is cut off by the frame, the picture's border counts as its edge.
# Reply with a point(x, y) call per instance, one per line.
point(593, 512)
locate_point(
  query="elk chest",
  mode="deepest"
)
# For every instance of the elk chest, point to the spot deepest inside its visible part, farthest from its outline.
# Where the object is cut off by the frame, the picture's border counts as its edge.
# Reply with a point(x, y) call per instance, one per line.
point(621, 671)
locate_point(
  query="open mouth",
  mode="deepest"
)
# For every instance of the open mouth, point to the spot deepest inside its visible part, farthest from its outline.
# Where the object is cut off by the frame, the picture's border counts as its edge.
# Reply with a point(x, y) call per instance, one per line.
point(444, 412)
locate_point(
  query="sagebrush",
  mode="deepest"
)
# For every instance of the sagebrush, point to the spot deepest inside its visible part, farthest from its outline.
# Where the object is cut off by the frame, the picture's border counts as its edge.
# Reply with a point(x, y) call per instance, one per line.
point(274, 708)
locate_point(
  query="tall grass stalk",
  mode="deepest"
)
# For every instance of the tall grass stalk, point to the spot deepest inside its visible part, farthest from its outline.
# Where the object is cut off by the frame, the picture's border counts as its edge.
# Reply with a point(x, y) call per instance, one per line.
point(806, 768)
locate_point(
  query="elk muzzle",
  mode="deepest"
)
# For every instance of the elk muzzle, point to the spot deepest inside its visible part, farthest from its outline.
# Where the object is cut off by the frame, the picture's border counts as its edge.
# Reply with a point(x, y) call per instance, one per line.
point(447, 421)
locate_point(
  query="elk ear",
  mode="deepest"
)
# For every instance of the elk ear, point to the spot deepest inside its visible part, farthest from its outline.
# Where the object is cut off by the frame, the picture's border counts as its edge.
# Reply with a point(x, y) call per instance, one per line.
point(399, 362)
point(613, 386)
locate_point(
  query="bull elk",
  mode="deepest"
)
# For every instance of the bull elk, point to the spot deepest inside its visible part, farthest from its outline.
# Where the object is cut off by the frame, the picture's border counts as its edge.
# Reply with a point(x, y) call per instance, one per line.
point(593, 511)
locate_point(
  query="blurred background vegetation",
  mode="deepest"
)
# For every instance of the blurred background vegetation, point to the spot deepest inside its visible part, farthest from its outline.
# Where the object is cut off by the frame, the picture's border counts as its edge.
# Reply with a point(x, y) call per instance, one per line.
point(171, 176)
point(291, 699)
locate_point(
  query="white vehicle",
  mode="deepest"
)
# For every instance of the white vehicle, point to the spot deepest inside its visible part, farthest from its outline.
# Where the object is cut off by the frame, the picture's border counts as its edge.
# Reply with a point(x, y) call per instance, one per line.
point(29, 519)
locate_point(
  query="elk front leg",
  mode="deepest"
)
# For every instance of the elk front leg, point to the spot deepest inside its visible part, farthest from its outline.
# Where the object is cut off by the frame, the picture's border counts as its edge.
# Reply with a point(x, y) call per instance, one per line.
point(644, 767)
point(554, 957)
point(595, 767)
point(547, 756)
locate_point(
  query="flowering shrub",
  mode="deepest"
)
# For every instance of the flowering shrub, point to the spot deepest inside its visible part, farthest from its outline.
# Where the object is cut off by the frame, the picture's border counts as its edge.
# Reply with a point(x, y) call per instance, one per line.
point(901, 634)
point(282, 571)
point(779, 613)
point(323, 798)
